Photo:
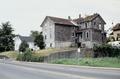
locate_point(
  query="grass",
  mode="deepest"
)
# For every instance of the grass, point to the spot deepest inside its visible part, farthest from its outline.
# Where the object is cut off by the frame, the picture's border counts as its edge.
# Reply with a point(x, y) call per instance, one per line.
point(39, 53)
point(96, 62)
point(46, 52)
point(10, 54)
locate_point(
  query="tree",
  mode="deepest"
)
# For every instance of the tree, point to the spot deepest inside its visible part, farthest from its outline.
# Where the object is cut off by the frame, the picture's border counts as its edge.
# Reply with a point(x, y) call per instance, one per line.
point(23, 46)
point(34, 33)
point(6, 37)
point(38, 39)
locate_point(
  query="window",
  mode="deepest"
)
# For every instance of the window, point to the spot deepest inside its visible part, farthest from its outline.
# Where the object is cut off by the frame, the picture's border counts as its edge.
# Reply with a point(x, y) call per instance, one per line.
point(50, 44)
point(50, 35)
point(81, 35)
point(45, 37)
point(73, 28)
point(118, 35)
point(94, 23)
point(73, 34)
point(86, 25)
point(87, 34)
point(100, 26)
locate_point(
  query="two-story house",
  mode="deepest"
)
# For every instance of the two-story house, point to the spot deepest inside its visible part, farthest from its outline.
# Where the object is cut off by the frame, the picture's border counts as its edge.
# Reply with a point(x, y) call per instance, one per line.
point(90, 31)
point(85, 32)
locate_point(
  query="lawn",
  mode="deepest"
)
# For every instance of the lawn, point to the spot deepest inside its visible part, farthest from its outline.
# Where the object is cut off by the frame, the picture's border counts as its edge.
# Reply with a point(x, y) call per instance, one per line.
point(96, 62)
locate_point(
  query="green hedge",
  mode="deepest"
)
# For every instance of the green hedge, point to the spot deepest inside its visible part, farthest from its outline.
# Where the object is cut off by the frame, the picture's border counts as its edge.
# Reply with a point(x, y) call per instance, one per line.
point(106, 50)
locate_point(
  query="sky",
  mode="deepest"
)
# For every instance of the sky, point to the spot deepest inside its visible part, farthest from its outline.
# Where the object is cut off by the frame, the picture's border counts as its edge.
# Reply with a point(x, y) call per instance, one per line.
point(27, 15)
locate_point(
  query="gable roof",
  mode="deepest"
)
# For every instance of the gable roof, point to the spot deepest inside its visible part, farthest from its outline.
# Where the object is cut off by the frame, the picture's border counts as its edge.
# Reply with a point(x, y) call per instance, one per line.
point(63, 21)
point(26, 38)
point(88, 18)
point(73, 22)
point(116, 27)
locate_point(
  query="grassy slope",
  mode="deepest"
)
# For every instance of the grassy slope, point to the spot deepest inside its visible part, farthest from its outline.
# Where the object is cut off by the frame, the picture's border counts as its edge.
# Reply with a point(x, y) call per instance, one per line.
point(46, 52)
point(97, 62)
point(10, 54)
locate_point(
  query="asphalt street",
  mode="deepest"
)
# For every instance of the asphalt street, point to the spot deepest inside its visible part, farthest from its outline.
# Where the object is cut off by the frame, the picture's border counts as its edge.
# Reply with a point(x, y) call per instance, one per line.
point(25, 70)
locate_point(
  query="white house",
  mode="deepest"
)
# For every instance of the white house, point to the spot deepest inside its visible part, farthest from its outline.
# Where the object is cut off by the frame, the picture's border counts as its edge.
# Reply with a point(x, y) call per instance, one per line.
point(30, 41)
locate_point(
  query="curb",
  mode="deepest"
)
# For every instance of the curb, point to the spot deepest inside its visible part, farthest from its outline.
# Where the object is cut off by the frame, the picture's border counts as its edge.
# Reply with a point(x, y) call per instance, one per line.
point(74, 66)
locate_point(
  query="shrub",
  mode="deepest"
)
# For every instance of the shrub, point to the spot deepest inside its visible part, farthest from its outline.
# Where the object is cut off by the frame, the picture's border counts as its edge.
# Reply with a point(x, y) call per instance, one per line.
point(23, 46)
point(106, 50)
point(20, 57)
point(28, 56)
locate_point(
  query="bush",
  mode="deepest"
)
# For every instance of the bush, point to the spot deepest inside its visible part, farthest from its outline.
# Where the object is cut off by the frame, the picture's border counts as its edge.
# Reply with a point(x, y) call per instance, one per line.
point(20, 57)
point(28, 56)
point(106, 51)
point(37, 59)
point(23, 46)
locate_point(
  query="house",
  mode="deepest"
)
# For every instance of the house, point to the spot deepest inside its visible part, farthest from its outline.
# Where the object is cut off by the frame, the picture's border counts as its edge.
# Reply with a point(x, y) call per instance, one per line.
point(30, 41)
point(115, 35)
point(84, 32)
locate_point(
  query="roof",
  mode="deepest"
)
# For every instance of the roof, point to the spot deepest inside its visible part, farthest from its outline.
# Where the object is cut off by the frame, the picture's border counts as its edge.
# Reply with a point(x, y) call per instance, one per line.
point(116, 27)
point(57, 20)
point(73, 22)
point(88, 18)
point(26, 38)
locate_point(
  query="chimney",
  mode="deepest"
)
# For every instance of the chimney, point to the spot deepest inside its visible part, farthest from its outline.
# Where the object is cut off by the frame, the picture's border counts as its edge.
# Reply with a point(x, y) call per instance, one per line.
point(69, 17)
point(79, 15)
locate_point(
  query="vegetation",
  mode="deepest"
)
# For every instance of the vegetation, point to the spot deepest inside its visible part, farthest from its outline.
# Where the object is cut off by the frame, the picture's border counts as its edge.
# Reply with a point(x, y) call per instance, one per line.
point(38, 39)
point(10, 54)
point(46, 52)
point(29, 56)
point(23, 46)
point(106, 51)
point(97, 62)
point(6, 37)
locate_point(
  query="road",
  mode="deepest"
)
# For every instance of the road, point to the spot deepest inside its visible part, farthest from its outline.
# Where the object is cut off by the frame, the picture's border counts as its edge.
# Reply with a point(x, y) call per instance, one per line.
point(25, 70)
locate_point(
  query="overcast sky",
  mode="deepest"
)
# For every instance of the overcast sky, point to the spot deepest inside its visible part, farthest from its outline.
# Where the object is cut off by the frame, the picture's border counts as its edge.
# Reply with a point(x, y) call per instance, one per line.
point(27, 15)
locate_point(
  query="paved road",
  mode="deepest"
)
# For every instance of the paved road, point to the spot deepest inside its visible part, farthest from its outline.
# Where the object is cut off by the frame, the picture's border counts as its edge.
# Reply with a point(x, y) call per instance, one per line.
point(23, 70)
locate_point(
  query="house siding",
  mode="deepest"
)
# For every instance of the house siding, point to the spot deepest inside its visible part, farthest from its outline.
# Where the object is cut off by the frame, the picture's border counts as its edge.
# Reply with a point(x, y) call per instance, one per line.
point(95, 36)
point(63, 35)
point(88, 33)
point(49, 33)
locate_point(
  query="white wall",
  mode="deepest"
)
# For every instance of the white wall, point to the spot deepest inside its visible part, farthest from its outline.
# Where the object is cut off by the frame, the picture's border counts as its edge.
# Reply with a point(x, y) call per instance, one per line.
point(17, 42)
point(48, 29)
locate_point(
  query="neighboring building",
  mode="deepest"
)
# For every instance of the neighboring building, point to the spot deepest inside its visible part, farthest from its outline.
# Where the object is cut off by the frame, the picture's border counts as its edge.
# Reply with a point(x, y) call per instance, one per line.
point(19, 39)
point(115, 35)
point(85, 32)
